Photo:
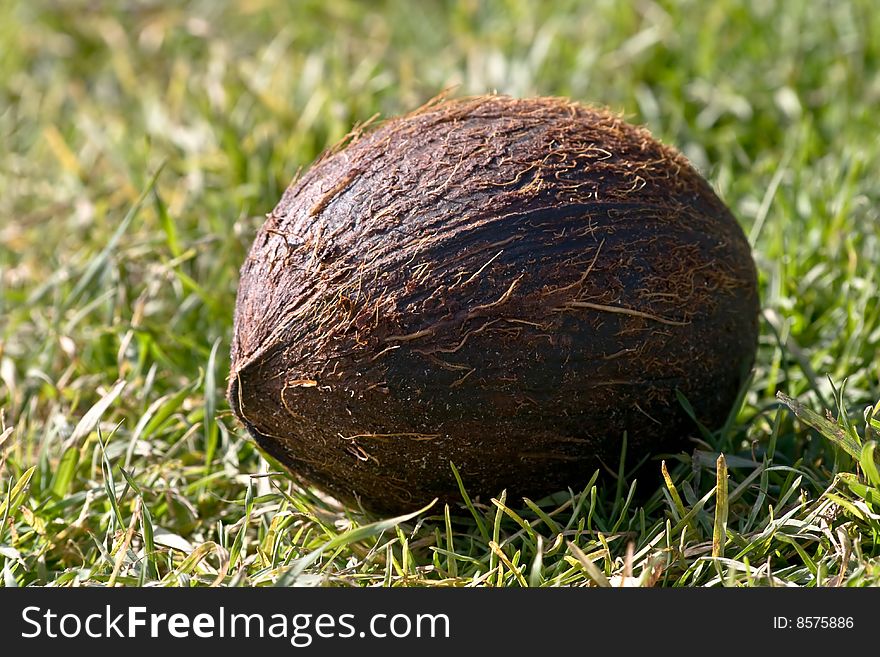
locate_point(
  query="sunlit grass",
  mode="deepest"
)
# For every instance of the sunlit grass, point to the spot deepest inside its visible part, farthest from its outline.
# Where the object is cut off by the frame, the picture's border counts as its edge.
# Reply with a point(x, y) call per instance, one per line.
point(141, 151)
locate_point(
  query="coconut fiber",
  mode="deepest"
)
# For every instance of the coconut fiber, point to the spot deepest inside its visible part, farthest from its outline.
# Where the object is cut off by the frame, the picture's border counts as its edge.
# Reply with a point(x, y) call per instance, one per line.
point(506, 285)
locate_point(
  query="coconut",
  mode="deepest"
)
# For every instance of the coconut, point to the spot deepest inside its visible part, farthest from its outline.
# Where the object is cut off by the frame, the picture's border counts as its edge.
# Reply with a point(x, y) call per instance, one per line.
point(510, 286)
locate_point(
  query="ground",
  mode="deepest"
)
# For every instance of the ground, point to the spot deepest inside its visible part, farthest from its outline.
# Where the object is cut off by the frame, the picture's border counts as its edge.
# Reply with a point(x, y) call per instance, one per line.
point(141, 150)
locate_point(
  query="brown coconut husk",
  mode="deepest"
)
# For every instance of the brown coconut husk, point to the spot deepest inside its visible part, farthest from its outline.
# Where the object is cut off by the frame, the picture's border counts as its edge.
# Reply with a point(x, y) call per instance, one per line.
point(508, 285)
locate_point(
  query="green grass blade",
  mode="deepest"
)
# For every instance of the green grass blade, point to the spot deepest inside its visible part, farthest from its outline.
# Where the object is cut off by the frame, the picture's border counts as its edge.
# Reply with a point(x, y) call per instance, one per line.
point(65, 471)
point(211, 430)
point(868, 461)
point(824, 426)
point(481, 526)
point(15, 497)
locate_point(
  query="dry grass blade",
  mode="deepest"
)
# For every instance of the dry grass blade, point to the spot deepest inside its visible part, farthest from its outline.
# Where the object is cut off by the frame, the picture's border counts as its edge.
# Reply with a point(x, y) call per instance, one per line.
point(589, 567)
point(122, 550)
point(516, 572)
point(719, 531)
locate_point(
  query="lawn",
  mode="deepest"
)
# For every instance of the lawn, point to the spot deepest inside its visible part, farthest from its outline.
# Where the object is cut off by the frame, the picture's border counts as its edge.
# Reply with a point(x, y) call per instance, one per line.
point(142, 148)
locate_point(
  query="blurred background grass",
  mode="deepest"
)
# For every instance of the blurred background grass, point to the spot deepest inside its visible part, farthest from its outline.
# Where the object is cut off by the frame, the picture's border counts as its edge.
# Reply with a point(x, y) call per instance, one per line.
point(775, 102)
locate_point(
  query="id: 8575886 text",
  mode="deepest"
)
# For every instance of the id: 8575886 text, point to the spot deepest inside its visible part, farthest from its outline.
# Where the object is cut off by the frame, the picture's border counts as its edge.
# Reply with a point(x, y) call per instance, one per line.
point(813, 622)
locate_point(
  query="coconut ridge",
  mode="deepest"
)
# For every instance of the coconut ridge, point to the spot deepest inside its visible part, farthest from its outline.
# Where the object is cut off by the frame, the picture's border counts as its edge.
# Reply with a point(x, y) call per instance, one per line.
point(509, 285)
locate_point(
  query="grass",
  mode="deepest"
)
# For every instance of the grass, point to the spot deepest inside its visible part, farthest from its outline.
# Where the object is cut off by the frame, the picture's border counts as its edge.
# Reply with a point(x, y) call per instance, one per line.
point(141, 150)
